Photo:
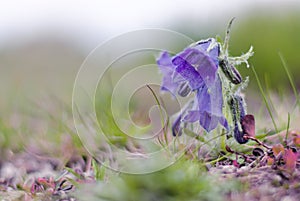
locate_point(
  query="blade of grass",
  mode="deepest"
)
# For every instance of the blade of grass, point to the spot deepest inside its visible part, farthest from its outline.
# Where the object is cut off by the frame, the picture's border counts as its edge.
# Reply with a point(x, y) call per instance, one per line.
point(265, 99)
point(99, 170)
point(267, 86)
point(168, 119)
point(160, 112)
point(291, 80)
point(77, 175)
point(287, 129)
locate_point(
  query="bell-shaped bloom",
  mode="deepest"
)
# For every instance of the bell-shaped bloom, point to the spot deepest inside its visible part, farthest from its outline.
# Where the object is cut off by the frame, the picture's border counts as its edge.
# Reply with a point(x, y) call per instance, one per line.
point(195, 69)
point(191, 67)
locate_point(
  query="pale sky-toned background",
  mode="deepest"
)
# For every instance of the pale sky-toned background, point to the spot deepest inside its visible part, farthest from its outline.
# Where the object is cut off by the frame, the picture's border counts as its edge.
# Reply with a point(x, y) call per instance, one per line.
point(90, 22)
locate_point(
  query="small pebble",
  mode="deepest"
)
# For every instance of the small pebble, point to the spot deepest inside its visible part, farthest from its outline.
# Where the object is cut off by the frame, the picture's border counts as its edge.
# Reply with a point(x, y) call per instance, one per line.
point(287, 198)
point(243, 171)
point(228, 169)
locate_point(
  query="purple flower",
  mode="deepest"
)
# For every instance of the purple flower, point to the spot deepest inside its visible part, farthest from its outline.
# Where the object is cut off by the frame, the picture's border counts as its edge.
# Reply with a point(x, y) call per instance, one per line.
point(195, 69)
point(191, 67)
point(208, 105)
point(168, 71)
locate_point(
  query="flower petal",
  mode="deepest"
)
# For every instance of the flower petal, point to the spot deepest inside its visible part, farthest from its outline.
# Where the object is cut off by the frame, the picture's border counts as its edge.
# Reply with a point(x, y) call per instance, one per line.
point(176, 128)
point(211, 99)
point(188, 72)
point(207, 120)
point(192, 116)
point(214, 52)
point(165, 60)
point(167, 69)
point(200, 60)
point(195, 69)
point(207, 109)
point(204, 44)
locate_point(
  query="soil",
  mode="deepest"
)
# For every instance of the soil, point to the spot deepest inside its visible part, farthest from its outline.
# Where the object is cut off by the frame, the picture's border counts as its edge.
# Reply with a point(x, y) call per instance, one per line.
point(24, 176)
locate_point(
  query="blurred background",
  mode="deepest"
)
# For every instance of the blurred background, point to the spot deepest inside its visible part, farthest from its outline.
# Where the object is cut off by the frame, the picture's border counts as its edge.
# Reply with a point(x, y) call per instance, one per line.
point(43, 43)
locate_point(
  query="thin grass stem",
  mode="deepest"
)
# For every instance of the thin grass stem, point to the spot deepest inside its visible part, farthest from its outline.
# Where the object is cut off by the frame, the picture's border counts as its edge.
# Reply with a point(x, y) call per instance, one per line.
point(160, 113)
point(287, 128)
point(265, 99)
point(291, 80)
